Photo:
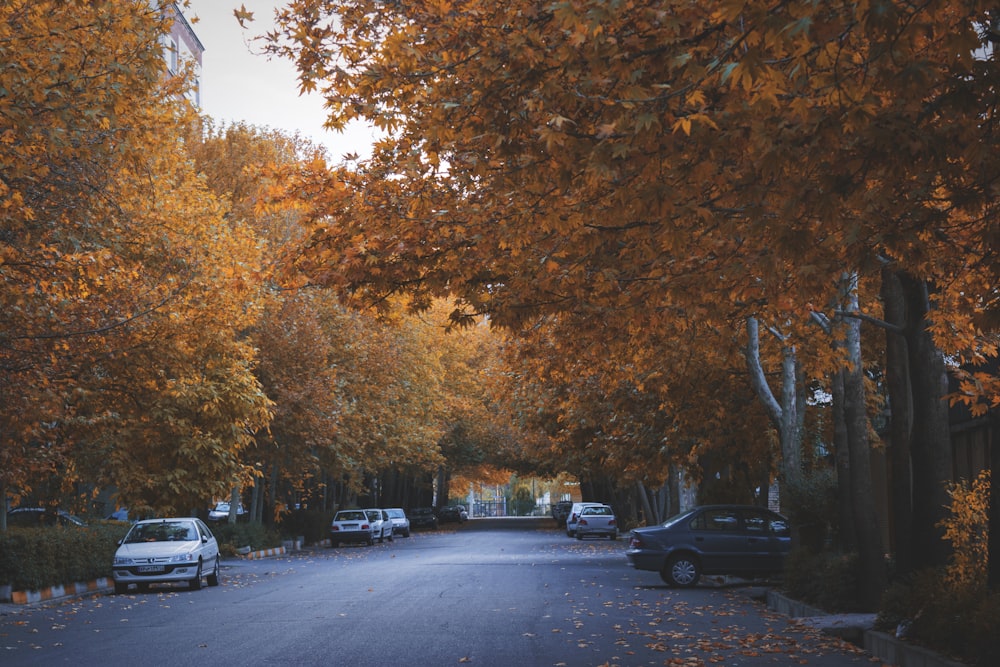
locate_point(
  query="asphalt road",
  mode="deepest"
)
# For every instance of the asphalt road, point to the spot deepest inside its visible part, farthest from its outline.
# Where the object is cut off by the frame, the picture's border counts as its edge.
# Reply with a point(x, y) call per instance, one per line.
point(489, 592)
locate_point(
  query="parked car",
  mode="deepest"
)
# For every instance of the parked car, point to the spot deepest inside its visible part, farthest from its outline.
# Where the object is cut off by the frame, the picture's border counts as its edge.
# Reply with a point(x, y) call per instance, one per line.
point(560, 511)
point(574, 514)
point(33, 517)
point(453, 514)
point(221, 512)
point(423, 517)
point(352, 526)
point(166, 550)
point(400, 524)
point(597, 520)
point(714, 539)
point(381, 524)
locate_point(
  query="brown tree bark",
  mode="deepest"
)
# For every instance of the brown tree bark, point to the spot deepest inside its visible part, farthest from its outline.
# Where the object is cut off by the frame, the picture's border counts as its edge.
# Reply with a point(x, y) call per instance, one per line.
point(900, 422)
point(930, 442)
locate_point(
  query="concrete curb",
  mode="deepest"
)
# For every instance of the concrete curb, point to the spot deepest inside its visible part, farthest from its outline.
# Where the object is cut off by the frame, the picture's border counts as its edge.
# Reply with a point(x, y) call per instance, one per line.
point(264, 553)
point(66, 590)
point(858, 629)
point(95, 586)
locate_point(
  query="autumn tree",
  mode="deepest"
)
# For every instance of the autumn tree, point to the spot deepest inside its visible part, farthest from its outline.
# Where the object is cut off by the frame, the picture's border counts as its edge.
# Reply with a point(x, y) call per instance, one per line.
point(710, 161)
point(115, 367)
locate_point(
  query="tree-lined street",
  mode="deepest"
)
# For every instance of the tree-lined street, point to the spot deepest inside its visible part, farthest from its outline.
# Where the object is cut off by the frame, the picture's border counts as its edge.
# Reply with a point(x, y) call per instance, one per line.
point(513, 592)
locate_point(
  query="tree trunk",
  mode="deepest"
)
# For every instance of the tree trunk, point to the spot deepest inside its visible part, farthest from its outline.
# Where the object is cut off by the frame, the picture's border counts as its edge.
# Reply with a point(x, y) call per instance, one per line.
point(872, 575)
point(842, 456)
point(993, 520)
point(900, 422)
point(648, 514)
point(930, 437)
point(785, 416)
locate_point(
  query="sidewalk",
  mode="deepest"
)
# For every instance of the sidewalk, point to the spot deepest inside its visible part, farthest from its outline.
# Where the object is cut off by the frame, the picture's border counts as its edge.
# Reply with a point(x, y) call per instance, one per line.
point(859, 629)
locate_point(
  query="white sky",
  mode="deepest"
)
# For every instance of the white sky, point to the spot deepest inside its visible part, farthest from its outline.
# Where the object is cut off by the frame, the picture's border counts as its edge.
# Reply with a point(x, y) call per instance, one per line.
point(238, 85)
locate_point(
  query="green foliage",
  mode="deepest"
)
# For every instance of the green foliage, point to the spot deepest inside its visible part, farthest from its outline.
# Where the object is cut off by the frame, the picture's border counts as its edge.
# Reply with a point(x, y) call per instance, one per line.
point(824, 579)
point(811, 503)
point(35, 558)
point(314, 525)
point(254, 535)
point(522, 500)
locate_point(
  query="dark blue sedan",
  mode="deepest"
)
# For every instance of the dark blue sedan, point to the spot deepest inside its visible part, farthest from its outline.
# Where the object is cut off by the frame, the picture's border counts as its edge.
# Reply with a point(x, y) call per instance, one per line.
point(713, 539)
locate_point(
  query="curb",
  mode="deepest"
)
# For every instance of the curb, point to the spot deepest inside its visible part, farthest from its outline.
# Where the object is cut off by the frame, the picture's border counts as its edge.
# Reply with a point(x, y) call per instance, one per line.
point(97, 585)
point(264, 553)
point(857, 628)
point(66, 590)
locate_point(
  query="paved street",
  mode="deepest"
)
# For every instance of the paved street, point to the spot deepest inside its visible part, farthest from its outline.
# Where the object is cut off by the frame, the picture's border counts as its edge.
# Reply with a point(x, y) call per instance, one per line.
point(489, 592)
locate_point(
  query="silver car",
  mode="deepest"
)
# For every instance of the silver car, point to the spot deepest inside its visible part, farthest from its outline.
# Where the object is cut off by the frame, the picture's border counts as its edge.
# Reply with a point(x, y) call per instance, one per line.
point(597, 520)
point(400, 524)
point(381, 524)
point(166, 550)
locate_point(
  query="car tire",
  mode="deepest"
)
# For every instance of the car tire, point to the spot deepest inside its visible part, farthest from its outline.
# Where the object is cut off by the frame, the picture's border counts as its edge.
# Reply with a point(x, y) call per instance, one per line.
point(612, 537)
point(334, 544)
point(406, 533)
point(371, 541)
point(392, 536)
point(121, 588)
point(195, 584)
point(213, 576)
point(681, 571)
point(579, 535)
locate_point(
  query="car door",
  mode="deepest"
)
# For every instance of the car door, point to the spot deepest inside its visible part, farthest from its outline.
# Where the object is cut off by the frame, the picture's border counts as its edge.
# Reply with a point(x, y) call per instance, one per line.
point(767, 539)
point(717, 536)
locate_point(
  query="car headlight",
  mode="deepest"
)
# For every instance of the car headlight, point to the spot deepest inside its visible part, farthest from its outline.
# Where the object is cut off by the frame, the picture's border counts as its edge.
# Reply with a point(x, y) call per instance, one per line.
point(122, 560)
point(182, 558)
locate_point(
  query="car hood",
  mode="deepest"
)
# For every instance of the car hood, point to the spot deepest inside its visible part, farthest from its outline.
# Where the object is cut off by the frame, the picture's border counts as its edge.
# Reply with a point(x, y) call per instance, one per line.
point(156, 549)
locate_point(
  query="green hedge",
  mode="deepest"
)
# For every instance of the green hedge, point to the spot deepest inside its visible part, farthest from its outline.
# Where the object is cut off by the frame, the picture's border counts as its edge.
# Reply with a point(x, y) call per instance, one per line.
point(313, 525)
point(36, 558)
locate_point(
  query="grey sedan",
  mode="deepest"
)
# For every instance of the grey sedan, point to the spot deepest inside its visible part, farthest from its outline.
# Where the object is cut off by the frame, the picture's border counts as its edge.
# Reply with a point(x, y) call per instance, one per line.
point(714, 539)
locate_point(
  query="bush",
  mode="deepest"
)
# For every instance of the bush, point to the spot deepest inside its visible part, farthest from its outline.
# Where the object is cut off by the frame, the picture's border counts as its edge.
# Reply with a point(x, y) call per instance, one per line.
point(951, 610)
point(313, 525)
point(254, 535)
point(36, 558)
point(826, 580)
point(928, 609)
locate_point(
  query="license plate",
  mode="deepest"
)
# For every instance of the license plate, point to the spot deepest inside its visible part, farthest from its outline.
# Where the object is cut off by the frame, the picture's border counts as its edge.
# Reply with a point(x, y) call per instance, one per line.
point(150, 568)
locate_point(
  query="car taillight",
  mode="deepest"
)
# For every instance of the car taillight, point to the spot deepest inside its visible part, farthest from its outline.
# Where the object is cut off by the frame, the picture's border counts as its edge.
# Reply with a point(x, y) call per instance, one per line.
point(611, 523)
point(333, 528)
point(635, 542)
point(365, 526)
point(582, 522)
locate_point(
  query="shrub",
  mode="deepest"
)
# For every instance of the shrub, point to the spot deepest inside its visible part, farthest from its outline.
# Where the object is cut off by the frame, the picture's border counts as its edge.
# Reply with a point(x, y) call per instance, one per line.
point(824, 579)
point(313, 525)
point(950, 610)
point(35, 558)
point(242, 534)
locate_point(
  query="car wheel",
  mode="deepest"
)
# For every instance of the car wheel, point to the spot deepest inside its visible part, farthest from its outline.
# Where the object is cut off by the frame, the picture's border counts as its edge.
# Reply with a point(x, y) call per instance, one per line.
point(613, 537)
point(196, 582)
point(579, 535)
point(120, 588)
point(213, 576)
point(392, 536)
point(371, 540)
point(406, 533)
point(681, 571)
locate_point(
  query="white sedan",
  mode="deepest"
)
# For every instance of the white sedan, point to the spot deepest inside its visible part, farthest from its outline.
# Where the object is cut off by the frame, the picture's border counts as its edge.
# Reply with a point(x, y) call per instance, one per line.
point(166, 550)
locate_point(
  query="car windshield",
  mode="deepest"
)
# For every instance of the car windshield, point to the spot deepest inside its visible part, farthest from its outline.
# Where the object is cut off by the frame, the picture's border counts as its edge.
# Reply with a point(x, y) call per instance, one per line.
point(395, 514)
point(164, 531)
point(351, 516)
point(597, 510)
